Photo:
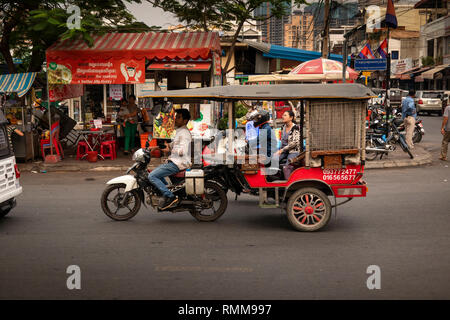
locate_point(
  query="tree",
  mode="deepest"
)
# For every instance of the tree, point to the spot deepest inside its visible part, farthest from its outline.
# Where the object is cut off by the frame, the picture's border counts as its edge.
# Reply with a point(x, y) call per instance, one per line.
point(29, 27)
point(219, 14)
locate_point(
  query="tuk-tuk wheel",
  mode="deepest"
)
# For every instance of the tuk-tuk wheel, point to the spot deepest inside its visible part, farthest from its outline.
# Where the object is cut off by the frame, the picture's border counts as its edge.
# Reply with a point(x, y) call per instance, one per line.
point(308, 209)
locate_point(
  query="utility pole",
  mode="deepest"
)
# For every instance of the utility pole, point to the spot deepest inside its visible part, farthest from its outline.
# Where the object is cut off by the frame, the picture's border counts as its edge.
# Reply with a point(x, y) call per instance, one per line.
point(326, 31)
point(387, 99)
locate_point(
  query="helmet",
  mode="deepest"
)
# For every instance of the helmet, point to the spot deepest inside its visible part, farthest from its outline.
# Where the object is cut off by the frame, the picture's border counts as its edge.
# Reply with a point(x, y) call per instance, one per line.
point(167, 107)
point(262, 117)
point(251, 115)
point(139, 156)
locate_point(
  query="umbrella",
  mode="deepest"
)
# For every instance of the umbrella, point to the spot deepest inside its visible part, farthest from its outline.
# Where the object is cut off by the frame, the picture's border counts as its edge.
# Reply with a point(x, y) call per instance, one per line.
point(323, 69)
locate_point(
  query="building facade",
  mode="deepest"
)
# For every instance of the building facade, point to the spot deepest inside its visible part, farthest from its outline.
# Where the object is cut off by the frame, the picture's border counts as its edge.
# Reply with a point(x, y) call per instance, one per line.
point(272, 28)
point(297, 30)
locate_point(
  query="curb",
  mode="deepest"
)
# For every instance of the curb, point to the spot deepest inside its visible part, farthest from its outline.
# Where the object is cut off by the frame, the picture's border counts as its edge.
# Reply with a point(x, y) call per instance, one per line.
point(422, 159)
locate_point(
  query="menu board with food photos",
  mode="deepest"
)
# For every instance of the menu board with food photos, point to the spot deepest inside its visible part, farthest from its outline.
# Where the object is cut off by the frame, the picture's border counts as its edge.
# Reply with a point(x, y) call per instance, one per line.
point(164, 125)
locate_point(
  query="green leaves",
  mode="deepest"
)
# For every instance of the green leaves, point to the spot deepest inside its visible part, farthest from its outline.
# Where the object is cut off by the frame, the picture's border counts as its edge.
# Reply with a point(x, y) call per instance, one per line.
point(41, 23)
point(40, 26)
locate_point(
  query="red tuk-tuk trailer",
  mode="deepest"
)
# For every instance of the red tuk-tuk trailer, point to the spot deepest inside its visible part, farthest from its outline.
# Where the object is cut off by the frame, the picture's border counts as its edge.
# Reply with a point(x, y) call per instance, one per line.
point(330, 166)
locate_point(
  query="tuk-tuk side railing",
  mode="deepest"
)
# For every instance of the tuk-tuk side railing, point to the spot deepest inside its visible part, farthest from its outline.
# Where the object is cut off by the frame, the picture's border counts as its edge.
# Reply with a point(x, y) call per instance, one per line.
point(335, 132)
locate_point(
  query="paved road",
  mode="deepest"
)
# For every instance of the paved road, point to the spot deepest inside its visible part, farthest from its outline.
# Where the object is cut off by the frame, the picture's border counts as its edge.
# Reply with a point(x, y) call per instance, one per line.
point(250, 253)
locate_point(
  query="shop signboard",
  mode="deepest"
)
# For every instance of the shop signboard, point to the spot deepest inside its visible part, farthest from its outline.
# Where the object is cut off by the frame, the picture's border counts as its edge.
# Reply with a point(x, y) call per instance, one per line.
point(97, 71)
point(115, 91)
point(217, 64)
point(370, 64)
point(58, 92)
point(146, 88)
point(400, 66)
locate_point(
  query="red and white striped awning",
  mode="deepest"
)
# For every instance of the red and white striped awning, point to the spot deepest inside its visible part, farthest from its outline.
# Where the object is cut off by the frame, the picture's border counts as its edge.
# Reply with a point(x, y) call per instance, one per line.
point(151, 45)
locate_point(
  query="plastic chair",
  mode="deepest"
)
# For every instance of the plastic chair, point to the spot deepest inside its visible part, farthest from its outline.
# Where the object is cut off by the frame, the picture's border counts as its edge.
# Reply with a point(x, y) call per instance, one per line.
point(45, 143)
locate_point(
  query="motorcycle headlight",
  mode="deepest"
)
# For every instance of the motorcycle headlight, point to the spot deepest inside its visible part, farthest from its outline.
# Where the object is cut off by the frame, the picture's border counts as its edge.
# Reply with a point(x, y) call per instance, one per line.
point(138, 156)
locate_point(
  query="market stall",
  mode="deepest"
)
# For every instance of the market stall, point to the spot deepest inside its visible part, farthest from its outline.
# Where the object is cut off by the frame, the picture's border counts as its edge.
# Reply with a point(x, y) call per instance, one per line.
point(17, 109)
point(120, 64)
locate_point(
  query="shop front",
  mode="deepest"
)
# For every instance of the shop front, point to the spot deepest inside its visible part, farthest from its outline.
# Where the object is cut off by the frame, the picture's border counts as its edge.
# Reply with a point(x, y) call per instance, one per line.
point(120, 64)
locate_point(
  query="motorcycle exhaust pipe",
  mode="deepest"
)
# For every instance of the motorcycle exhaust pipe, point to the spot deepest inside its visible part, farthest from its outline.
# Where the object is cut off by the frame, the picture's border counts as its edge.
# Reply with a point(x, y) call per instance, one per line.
point(378, 150)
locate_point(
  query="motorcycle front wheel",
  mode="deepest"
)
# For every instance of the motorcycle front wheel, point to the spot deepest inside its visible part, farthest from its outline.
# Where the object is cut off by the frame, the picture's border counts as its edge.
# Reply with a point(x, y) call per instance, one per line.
point(405, 146)
point(118, 204)
point(219, 202)
point(371, 155)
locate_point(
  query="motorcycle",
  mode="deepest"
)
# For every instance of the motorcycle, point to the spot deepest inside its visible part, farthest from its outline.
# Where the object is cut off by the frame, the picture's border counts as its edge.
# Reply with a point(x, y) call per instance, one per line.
point(419, 130)
point(378, 144)
point(204, 199)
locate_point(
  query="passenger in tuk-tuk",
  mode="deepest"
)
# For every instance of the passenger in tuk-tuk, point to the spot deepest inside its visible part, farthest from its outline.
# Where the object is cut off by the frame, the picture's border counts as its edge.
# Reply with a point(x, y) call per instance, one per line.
point(290, 144)
point(265, 130)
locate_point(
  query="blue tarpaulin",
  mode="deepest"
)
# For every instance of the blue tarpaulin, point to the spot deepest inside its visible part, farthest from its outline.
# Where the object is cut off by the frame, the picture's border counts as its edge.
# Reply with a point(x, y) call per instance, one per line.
point(279, 52)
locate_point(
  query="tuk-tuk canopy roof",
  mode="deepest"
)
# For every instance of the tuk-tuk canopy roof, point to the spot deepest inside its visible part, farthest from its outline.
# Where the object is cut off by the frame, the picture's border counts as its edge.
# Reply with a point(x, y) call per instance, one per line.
point(269, 92)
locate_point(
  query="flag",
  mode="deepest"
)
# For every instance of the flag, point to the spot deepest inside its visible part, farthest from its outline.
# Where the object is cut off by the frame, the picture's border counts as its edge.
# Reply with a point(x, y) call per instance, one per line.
point(382, 49)
point(391, 18)
point(366, 52)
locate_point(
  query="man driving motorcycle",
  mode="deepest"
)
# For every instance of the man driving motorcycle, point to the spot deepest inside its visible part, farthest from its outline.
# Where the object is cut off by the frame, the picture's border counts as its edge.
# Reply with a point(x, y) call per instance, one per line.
point(179, 159)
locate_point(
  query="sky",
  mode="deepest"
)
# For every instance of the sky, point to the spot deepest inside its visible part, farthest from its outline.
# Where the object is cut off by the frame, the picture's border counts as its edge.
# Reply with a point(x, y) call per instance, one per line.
point(151, 16)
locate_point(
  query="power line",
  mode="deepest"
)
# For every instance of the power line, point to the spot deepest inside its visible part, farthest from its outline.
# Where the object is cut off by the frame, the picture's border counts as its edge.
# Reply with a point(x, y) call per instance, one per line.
point(316, 15)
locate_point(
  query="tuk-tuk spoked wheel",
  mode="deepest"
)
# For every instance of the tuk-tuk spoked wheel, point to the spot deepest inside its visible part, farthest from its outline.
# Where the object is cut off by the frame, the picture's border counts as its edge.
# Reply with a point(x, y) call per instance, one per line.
point(308, 209)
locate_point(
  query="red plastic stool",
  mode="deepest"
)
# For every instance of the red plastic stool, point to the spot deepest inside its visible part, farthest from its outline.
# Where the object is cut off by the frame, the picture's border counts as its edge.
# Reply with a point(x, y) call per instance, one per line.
point(114, 145)
point(108, 137)
point(107, 150)
point(82, 149)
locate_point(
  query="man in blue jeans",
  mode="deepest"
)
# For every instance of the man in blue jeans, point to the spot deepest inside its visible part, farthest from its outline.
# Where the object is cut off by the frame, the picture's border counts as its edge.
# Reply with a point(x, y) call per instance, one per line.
point(179, 159)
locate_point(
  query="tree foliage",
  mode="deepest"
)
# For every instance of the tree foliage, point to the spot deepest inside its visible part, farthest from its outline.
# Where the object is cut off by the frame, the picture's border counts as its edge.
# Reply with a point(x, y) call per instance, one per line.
point(29, 27)
point(221, 14)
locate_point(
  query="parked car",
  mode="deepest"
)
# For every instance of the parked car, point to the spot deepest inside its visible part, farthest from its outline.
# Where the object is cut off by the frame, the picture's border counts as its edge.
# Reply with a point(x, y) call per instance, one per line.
point(429, 101)
point(396, 96)
point(446, 100)
point(9, 173)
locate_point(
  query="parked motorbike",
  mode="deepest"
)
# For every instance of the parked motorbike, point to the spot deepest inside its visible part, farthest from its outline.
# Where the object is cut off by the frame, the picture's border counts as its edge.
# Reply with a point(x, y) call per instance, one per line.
point(378, 144)
point(202, 197)
point(419, 130)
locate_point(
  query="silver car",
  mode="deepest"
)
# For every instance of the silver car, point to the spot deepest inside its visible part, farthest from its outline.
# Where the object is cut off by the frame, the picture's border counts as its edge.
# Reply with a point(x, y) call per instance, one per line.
point(429, 101)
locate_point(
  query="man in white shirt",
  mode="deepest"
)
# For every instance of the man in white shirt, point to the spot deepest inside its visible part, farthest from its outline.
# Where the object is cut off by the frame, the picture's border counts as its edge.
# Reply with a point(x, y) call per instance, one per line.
point(179, 159)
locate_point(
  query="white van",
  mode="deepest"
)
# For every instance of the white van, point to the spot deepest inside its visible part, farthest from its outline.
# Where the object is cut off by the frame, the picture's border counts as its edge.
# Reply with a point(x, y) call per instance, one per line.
point(9, 172)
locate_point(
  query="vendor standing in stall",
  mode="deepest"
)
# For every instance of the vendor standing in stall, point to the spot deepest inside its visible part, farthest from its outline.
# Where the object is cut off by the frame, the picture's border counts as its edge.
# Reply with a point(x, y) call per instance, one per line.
point(11, 129)
point(131, 122)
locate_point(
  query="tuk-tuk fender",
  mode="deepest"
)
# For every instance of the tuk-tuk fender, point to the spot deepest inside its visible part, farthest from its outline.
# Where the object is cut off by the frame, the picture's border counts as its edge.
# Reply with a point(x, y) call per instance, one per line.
point(322, 186)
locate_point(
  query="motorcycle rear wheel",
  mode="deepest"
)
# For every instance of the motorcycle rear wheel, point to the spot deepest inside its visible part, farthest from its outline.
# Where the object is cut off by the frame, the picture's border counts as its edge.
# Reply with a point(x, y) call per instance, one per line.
point(216, 193)
point(417, 137)
point(133, 203)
